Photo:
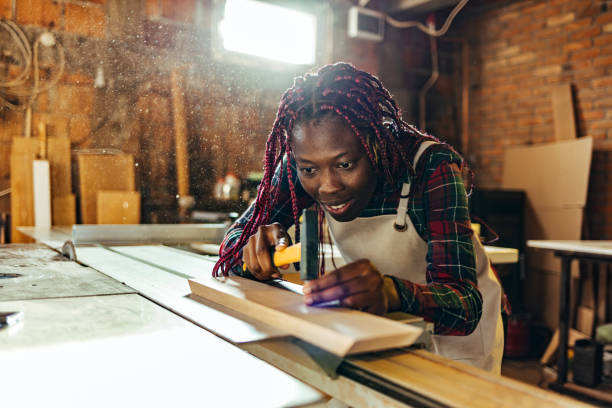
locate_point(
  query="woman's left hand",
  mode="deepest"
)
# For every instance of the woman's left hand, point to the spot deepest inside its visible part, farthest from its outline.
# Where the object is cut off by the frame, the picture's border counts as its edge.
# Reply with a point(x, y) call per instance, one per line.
point(358, 285)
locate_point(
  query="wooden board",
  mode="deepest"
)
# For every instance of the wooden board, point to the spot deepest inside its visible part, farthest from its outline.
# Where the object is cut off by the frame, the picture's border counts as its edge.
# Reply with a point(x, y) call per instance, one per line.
point(180, 133)
point(118, 207)
point(449, 383)
point(64, 210)
point(563, 112)
point(171, 289)
point(457, 384)
point(23, 153)
point(337, 330)
point(58, 150)
point(102, 172)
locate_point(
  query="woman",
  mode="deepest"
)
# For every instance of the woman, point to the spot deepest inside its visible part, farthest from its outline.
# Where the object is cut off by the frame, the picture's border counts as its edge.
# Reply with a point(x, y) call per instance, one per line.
point(396, 208)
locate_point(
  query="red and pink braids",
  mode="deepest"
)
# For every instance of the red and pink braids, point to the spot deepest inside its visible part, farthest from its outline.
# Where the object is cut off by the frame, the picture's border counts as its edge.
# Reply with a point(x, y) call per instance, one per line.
point(357, 97)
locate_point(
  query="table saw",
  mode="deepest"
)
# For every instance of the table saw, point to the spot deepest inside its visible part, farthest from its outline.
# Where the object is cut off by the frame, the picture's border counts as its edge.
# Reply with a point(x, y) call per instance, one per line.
point(117, 325)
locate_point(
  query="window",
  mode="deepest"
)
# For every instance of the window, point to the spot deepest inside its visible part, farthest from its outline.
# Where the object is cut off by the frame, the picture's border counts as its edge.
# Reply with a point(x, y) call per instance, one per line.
point(269, 31)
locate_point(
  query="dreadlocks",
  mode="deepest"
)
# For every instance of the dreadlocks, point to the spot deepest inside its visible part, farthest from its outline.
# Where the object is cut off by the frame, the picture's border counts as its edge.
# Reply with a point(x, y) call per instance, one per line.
point(339, 90)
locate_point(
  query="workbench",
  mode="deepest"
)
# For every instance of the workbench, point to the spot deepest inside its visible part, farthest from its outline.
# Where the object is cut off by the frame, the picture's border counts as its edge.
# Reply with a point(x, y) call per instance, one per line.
point(569, 251)
point(144, 339)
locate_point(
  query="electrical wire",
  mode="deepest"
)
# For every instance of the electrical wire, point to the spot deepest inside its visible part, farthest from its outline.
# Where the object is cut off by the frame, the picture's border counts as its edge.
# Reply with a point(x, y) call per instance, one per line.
point(18, 86)
point(35, 90)
point(431, 31)
point(24, 47)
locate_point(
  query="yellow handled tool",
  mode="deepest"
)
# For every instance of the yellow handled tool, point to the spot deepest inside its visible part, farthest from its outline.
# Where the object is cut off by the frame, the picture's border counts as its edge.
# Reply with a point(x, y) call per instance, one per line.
point(285, 256)
point(306, 251)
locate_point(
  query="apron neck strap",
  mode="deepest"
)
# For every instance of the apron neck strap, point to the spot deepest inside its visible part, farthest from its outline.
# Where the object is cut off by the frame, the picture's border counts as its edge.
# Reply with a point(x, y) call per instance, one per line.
point(402, 208)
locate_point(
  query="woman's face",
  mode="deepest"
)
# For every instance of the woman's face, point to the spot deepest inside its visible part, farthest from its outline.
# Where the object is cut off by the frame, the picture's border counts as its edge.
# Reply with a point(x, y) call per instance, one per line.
point(333, 167)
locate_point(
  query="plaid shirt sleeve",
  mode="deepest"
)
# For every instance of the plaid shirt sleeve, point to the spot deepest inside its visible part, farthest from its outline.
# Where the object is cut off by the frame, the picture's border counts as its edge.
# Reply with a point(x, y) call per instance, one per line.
point(282, 212)
point(450, 299)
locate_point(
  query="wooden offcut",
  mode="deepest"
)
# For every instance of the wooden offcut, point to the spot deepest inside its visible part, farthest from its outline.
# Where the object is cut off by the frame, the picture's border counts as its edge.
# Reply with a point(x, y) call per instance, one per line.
point(102, 172)
point(337, 330)
point(58, 151)
point(118, 207)
point(23, 153)
point(180, 133)
point(563, 112)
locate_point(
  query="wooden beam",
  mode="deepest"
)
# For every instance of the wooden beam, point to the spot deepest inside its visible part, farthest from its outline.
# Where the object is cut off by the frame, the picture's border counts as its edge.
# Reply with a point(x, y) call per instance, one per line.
point(23, 153)
point(180, 136)
point(436, 378)
point(337, 330)
point(59, 160)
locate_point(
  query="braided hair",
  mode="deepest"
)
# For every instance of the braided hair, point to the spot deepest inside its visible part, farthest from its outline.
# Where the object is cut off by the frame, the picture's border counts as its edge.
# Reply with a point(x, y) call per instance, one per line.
point(357, 98)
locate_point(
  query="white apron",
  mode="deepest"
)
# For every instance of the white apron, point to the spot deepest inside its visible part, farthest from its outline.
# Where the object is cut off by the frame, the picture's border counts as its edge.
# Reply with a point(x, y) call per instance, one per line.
point(402, 254)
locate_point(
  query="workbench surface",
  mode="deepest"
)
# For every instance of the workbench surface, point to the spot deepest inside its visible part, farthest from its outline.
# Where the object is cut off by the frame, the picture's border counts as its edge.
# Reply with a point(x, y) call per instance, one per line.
point(119, 349)
point(153, 350)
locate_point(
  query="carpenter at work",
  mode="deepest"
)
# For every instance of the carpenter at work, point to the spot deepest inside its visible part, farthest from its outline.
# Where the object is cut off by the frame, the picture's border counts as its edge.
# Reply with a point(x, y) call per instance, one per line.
point(396, 208)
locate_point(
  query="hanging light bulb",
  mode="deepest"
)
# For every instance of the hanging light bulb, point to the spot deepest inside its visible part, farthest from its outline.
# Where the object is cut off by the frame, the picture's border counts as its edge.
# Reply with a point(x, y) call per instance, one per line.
point(47, 39)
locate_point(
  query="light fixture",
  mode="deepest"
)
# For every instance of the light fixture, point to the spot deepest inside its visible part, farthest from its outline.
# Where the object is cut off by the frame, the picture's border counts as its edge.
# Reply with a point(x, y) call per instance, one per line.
point(269, 31)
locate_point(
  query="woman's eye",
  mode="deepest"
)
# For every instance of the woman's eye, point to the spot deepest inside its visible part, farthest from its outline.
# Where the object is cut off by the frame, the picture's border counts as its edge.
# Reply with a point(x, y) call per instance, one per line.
point(307, 170)
point(345, 165)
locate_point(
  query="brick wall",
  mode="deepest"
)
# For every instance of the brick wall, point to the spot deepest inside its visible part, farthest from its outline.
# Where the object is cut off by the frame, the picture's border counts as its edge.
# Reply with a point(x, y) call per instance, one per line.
point(519, 51)
point(230, 108)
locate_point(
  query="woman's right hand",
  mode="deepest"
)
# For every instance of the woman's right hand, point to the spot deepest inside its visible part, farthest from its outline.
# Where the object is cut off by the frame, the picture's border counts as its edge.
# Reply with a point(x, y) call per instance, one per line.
point(256, 253)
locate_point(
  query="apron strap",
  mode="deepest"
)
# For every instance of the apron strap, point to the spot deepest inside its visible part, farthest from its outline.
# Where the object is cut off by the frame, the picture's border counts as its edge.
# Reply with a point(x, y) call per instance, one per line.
point(402, 209)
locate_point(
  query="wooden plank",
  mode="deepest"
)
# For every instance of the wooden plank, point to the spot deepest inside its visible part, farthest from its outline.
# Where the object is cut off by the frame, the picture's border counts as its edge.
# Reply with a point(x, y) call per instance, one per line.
point(337, 330)
point(458, 384)
point(118, 207)
point(59, 158)
point(447, 382)
point(180, 133)
point(23, 152)
point(102, 172)
point(64, 210)
point(171, 290)
point(563, 112)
